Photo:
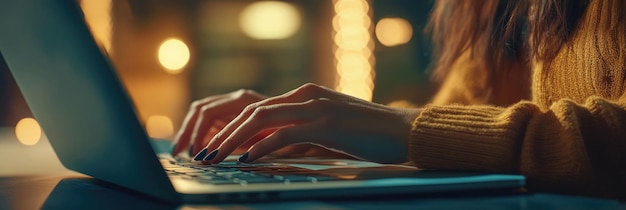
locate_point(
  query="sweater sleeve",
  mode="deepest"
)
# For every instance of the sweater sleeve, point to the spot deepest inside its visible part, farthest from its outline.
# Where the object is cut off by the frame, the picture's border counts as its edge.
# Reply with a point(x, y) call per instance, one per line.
point(575, 148)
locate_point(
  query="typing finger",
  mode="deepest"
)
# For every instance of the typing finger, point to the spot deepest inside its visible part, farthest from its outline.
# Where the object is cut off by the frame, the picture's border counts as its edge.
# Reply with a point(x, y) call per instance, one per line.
point(284, 137)
point(209, 114)
point(206, 129)
point(301, 94)
point(268, 117)
point(222, 109)
point(182, 140)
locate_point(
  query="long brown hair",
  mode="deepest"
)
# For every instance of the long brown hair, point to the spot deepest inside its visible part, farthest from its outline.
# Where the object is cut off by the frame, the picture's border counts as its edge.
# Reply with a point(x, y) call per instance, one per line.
point(495, 32)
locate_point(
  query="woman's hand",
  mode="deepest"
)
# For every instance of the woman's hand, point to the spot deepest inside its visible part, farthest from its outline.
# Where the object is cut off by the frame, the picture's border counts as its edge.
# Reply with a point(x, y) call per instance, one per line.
point(208, 116)
point(309, 114)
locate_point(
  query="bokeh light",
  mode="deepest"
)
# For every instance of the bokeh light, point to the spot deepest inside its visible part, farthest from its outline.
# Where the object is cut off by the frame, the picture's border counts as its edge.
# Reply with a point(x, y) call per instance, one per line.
point(269, 20)
point(353, 48)
point(393, 31)
point(98, 17)
point(173, 55)
point(159, 126)
point(28, 131)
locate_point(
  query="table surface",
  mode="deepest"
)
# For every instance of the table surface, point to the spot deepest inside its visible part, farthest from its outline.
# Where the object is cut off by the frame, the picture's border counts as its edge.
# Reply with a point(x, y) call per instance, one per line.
point(31, 177)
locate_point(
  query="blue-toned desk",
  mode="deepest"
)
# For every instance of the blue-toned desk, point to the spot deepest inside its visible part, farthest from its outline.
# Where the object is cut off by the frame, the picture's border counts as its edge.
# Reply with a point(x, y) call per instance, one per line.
point(31, 177)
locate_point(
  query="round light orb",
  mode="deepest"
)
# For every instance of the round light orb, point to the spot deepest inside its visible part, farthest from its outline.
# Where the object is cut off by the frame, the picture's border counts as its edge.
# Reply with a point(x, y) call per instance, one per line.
point(393, 31)
point(159, 126)
point(28, 131)
point(269, 20)
point(173, 55)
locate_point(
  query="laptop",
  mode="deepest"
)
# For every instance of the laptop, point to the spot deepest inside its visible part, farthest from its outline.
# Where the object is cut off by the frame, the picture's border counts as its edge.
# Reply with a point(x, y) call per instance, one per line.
point(79, 101)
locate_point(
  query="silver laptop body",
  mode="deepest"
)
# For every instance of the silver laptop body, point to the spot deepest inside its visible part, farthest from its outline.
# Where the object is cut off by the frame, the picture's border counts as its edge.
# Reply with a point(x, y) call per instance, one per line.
point(75, 94)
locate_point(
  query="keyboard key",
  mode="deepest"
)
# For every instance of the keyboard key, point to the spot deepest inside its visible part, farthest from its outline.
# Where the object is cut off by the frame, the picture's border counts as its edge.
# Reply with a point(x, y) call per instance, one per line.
point(241, 173)
point(216, 181)
point(259, 181)
point(167, 161)
point(244, 174)
point(321, 178)
point(293, 178)
point(205, 177)
point(228, 173)
point(185, 170)
point(187, 164)
point(227, 163)
point(221, 169)
point(299, 178)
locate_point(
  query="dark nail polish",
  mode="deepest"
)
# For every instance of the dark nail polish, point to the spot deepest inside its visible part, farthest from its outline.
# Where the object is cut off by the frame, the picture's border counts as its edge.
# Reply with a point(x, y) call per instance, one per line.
point(243, 157)
point(211, 155)
point(200, 154)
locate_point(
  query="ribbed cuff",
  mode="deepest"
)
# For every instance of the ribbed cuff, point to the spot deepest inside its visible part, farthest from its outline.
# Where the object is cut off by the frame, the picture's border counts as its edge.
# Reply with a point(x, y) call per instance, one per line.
point(475, 138)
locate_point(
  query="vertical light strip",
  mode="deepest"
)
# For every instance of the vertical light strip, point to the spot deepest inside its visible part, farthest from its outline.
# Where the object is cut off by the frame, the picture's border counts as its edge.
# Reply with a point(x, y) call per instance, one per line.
point(354, 60)
point(98, 17)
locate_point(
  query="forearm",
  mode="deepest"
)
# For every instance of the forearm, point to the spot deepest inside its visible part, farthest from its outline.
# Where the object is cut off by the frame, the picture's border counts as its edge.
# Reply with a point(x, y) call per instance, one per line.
point(476, 138)
point(568, 147)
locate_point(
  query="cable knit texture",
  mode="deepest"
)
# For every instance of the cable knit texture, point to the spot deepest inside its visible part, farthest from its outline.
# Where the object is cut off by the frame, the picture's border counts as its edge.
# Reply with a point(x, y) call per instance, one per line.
point(570, 137)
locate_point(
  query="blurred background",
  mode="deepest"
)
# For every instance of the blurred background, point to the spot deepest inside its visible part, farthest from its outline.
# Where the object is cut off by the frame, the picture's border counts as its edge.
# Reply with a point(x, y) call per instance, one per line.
point(170, 53)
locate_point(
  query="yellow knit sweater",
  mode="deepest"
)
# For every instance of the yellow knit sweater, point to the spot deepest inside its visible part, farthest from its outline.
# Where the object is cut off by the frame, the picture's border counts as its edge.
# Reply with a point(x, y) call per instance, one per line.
point(571, 136)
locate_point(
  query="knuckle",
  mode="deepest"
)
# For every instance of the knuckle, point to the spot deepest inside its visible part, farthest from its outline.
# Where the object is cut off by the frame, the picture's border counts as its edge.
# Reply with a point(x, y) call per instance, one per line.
point(310, 85)
point(243, 93)
point(239, 93)
point(272, 100)
point(308, 89)
point(260, 112)
point(205, 108)
point(195, 105)
point(251, 107)
point(322, 105)
point(250, 92)
point(320, 102)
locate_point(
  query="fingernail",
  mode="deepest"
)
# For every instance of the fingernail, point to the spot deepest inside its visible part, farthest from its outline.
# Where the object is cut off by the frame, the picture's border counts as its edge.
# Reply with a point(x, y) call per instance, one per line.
point(243, 157)
point(201, 154)
point(211, 155)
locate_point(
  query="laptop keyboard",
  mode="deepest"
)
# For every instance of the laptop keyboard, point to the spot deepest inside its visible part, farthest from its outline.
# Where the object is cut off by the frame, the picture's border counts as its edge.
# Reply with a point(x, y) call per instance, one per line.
point(241, 173)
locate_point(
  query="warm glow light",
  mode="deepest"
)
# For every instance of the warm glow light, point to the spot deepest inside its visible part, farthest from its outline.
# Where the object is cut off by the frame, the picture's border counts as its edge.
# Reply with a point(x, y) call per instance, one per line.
point(353, 52)
point(98, 16)
point(351, 17)
point(347, 6)
point(28, 131)
point(159, 126)
point(173, 55)
point(269, 20)
point(393, 31)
